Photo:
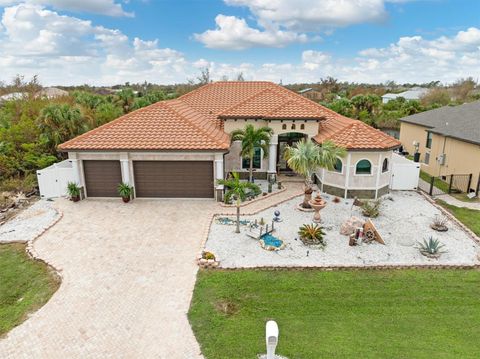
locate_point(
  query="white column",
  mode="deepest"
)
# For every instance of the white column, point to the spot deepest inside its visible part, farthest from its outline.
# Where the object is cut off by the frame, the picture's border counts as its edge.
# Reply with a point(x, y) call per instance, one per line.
point(347, 174)
point(379, 171)
point(272, 155)
point(125, 168)
point(219, 173)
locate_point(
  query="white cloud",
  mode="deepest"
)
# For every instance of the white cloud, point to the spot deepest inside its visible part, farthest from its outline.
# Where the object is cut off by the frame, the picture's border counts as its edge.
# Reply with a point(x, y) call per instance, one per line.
point(67, 50)
point(233, 33)
point(308, 15)
point(104, 7)
point(64, 49)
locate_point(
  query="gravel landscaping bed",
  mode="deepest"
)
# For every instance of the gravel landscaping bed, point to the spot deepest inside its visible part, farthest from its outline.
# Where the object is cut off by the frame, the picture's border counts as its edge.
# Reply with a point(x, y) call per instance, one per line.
point(405, 219)
point(30, 223)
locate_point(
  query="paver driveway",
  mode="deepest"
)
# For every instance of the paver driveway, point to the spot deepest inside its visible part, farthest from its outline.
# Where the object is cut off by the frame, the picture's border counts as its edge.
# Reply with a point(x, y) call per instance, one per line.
point(128, 274)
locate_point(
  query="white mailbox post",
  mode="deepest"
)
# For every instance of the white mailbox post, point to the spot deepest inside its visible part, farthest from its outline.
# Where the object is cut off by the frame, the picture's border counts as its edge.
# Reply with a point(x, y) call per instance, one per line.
point(271, 331)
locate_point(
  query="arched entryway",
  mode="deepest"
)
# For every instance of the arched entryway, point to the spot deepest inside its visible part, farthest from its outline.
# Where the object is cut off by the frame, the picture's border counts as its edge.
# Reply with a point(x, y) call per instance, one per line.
point(284, 140)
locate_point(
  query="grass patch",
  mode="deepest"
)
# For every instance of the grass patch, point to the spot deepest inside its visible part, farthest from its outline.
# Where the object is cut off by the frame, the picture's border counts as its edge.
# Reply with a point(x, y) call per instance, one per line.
point(25, 285)
point(469, 217)
point(437, 182)
point(339, 314)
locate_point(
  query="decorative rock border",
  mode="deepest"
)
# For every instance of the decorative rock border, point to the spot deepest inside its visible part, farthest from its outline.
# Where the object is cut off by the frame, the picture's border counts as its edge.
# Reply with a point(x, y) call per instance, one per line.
point(207, 263)
point(256, 199)
point(31, 250)
point(358, 267)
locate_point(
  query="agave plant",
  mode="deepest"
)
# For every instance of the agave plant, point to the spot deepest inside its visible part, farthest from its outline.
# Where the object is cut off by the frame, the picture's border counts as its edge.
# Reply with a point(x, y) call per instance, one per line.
point(431, 248)
point(312, 234)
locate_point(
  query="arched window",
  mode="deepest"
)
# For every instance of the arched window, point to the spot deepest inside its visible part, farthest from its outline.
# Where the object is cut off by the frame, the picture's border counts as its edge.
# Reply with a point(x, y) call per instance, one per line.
point(338, 166)
point(293, 127)
point(302, 126)
point(385, 165)
point(284, 127)
point(364, 167)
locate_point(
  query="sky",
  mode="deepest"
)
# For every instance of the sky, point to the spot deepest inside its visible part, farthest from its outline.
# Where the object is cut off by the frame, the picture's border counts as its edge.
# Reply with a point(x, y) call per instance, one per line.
point(107, 42)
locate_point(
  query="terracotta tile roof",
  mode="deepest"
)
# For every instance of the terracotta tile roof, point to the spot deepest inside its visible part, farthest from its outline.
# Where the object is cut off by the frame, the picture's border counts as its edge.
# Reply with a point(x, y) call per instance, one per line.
point(354, 135)
point(165, 125)
point(193, 121)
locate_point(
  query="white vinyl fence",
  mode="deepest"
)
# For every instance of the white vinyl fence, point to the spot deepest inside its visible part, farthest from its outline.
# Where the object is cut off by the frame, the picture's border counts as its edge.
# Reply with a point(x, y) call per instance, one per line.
point(53, 180)
point(405, 173)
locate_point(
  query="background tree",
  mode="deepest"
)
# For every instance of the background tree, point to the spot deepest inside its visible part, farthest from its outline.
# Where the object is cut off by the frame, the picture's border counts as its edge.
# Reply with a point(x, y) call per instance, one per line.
point(252, 138)
point(239, 191)
point(59, 123)
point(306, 157)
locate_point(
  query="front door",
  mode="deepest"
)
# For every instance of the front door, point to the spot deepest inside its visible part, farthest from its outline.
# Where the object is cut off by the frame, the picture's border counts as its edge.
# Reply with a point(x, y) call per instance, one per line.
point(284, 140)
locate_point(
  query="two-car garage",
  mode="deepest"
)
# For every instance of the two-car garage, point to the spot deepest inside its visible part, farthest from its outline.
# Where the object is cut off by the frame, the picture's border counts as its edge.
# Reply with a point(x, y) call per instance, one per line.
point(152, 179)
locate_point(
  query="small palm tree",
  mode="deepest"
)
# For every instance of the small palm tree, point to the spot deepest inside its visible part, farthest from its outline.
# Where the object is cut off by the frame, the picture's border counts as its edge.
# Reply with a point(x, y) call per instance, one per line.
point(252, 138)
point(305, 157)
point(238, 191)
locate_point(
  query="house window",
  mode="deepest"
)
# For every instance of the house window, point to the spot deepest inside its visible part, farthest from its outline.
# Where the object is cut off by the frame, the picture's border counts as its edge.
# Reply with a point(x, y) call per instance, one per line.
point(257, 160)
point(293, 127)
point(284, 127)
point(429, 140)
point(338, 166)
point(364, 167)
point(302, 126)
point(427, 158)
point(385, 165)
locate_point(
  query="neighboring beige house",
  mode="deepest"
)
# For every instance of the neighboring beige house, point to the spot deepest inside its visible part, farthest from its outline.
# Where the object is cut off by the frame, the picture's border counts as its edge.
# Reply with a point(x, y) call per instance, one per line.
point(448, 140)
point(180, 148)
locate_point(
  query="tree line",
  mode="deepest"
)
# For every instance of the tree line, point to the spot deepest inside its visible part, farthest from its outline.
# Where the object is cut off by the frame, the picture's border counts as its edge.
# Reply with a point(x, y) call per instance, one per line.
point(32, 126)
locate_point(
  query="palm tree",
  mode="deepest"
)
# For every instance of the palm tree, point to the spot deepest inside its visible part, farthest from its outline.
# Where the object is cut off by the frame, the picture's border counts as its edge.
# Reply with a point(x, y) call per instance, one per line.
point(124, 98)
point(252, 138)
point(239, 191)
point(305, 157)
point(59, 123)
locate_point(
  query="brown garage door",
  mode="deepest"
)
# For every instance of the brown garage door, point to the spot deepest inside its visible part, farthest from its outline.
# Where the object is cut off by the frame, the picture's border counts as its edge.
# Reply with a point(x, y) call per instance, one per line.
point(173, 179)
point(102, 178)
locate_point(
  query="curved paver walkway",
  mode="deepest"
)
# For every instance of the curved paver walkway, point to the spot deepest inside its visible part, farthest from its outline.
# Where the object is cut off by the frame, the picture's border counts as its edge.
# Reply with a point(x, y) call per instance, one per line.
point(128, 274)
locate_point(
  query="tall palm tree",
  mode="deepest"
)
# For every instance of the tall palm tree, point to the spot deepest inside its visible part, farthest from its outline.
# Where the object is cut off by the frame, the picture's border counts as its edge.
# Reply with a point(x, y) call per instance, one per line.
point(238, 190)
point(59, 123)
point(305, 157)
point(252, 138)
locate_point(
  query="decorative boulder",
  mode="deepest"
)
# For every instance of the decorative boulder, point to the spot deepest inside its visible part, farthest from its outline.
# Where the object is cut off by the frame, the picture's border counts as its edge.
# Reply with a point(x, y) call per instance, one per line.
point(350, 225)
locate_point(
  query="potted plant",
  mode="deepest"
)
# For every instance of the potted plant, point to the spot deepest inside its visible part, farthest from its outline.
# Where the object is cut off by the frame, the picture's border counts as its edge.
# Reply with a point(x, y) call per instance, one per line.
point(73, 191)
point(125, 191)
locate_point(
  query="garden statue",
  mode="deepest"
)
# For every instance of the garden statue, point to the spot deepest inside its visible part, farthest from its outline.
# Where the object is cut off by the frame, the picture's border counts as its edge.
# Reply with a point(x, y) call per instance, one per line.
point(317, 204)
point(277, 216)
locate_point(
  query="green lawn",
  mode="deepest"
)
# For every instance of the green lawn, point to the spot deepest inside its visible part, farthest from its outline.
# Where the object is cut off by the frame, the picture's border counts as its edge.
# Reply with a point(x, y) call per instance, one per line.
point(441, 185)
point(339, 314)
point(469, 217)
point(25, 285)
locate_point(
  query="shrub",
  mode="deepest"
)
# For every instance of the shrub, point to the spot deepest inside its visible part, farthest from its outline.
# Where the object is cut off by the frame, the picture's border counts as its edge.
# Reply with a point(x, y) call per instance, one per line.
point(439, 224)
point(312, 234)
point(208, 255)
point(371, 208)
